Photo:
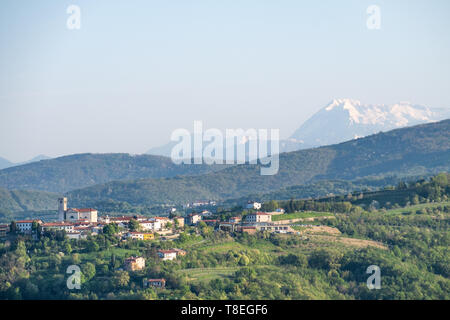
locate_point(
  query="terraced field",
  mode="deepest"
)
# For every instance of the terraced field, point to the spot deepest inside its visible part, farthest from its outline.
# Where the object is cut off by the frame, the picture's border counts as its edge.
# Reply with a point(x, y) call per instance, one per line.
point(301, 215)
point(207, 274)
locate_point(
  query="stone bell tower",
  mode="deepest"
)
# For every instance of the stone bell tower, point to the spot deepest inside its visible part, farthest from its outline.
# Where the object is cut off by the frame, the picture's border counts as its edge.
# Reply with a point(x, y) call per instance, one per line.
point(62, 209)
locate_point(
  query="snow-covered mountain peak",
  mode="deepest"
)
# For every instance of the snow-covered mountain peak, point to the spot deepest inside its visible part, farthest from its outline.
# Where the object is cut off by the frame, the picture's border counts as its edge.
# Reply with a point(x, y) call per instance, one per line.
point(343, 103)
point(345, 119)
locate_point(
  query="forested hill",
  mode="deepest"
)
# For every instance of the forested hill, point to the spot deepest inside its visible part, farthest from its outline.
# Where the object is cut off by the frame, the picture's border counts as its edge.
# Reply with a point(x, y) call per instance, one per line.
point(14, 202)
point(82, 170)
point(415, 150)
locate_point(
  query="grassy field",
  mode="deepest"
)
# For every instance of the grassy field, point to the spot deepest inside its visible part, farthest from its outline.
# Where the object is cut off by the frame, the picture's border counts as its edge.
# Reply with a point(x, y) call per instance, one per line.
point(414, 208)
point(300, 215)
point(207, 274)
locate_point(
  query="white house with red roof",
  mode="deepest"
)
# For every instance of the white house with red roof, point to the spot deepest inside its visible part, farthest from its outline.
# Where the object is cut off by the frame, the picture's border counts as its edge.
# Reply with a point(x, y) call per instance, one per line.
point(26, 226)
point(66, 226)
point(171, 254)
point(258, 217)
point(150, 225)
point(157, 283)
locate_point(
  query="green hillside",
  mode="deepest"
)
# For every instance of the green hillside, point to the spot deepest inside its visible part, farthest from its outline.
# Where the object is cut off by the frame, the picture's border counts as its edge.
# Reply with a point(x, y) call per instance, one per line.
point(81, 170)
point(418, 150)
point(14, 203)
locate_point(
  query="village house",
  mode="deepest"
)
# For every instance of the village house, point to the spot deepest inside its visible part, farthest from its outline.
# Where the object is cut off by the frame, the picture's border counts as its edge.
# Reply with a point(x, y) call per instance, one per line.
point(25, 226)
point(277, 228)
point(206, 213)
point(163, 221)
point(228, 226)
point(235, 219)
point(193, 219)
point(157, 283)
point(65, 226)
point(258, 217)
point(77, 235)
point(179, 221)
point(170, 254)
point(97, 229)
point(140, 236)
point(122, 221)
point(134, 263)
point(200, 203)
point(85, 230)
point(167, 254)
point(180, 252)
point(150, 225)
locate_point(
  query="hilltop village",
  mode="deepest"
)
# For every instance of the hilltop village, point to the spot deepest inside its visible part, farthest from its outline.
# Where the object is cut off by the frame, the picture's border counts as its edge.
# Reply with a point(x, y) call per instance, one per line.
point(277, 249)
point(81, 223)
point(78, 223)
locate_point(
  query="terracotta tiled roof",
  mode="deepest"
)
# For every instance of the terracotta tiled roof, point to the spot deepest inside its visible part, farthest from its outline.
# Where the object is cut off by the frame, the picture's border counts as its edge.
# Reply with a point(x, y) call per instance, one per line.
point(83, 209)
point(57, 224)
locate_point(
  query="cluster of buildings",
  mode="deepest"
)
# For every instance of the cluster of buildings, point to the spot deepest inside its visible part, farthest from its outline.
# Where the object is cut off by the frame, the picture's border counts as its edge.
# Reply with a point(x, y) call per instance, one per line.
point(78, 223)
point(74, 230)
point(171, 254)
point(134, 263)
point(251, 223)
point(138, 263)
point(201, 203)
point(254, 222)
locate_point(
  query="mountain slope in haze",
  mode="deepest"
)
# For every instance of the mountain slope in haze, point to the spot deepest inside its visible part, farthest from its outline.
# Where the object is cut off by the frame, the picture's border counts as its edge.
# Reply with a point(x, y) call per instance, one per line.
point(415, 150)
point(8, 164)
point(81, 170)
point(35, 159)
point(5, 163)
point(346, 119)
point(17, 201)
point(326, 188)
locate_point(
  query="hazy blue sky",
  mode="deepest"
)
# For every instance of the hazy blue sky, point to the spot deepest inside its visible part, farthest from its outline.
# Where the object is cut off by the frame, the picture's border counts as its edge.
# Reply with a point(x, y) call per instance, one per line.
point(137, 70)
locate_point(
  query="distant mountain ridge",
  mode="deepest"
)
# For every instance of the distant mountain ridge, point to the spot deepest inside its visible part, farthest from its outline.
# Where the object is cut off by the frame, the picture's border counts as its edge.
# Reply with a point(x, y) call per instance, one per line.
point(417, 150)
point(81, 170)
